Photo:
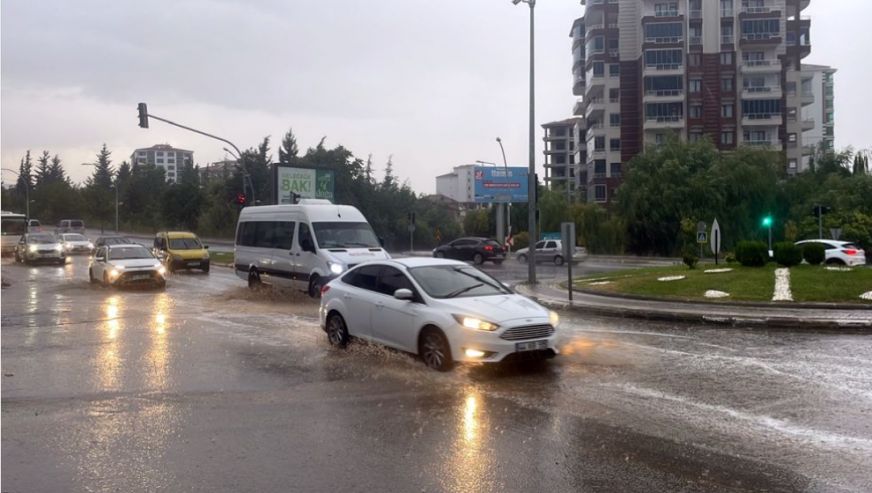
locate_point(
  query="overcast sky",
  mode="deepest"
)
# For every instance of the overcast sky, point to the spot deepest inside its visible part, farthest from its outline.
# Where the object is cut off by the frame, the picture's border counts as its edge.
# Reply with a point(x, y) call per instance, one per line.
point(431, 82)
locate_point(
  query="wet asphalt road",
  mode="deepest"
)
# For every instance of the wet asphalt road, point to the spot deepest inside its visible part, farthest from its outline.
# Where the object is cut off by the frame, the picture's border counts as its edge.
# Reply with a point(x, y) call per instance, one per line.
point(210, 387)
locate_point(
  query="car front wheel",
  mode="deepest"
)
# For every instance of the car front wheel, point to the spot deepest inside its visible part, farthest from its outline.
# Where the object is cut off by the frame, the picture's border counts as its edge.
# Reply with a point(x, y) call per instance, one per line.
point(337, 332)
point(435, 351)
point(254, 279)
point(522, 259)
point(558, 260)
point(439, 255)
point(477, 259)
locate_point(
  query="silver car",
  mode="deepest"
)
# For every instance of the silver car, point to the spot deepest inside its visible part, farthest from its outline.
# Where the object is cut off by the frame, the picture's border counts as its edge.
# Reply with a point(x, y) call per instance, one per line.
point(40, 247)
point(550, 251)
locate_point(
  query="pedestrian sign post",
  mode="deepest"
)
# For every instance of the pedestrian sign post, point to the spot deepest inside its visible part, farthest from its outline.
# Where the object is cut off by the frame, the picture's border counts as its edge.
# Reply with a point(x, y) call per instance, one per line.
point(702, 237)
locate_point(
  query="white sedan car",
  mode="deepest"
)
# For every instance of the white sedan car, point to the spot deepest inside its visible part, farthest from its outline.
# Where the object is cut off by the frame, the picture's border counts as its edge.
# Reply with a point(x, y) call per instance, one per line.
point(442, 310)
point(76, 243)
point(126, 265)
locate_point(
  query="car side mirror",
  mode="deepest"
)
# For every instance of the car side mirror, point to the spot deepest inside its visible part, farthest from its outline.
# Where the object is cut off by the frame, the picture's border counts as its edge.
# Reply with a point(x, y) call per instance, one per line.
point(206, 247)
point(381, 242)
point(403, 294)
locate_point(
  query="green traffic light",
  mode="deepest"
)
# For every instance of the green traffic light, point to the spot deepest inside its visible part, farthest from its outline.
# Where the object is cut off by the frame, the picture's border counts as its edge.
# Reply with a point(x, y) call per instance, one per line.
point(767, 221)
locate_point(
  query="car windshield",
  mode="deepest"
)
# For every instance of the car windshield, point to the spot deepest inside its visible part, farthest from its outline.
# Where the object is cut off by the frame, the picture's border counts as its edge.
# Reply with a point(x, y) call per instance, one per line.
point(42, 239)
point(185, 244)
point(129, 252)
point(74, 237)
point(850, 246)
point(456, 281)
point(114, 241)
point(13, 226)
point(77, 224)
point(345, 235)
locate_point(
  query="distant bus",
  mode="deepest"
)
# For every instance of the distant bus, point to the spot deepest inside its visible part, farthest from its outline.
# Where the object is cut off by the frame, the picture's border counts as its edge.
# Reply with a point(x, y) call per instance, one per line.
point(12, 226)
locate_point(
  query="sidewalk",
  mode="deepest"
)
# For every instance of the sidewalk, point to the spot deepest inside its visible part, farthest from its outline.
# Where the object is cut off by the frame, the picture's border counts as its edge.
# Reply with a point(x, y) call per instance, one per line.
point(775, 316)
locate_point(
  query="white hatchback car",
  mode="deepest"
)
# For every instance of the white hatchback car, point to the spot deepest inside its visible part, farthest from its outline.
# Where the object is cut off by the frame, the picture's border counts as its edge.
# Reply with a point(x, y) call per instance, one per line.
point(839, 252)
point(126, 265)
point(442, 310)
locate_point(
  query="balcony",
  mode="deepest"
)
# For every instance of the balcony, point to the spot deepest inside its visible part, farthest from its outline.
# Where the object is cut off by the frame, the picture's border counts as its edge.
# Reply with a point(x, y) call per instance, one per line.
point(761, 119)
point(695, 14)
point(655, 122)
point(760, 66)
point(663, 69)
point(808, 124)
point(807, 98)
point(758, 10)
point(762, 92)
point(663, 95)
point(666, 13)
point(665, 40)
point(727, 39)
point(594, 106)
point(695, 40)
point(578, 109)
point(763, 143)
point(754, 38)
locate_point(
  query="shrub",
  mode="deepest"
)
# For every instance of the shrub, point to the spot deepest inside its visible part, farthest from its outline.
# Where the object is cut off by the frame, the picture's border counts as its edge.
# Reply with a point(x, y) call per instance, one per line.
point(787, 254)
point(689, 257)
point(814, 253)
point(730, 257)
point(520, 240)
point(752, 253)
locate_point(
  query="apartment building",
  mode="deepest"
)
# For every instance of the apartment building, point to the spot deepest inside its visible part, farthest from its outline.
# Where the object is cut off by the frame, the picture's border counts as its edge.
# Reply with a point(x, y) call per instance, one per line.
point(730, 70)
point(165, 156)
point(562, 142)
point(459, 185)
point(819, 116)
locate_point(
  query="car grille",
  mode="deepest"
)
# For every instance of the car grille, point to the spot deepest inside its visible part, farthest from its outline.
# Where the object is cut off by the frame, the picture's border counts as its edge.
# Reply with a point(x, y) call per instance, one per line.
point(527, 332)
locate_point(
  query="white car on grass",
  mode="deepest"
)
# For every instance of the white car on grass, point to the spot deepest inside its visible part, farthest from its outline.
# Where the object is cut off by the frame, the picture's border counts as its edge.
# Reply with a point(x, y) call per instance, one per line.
point(443, 310)
point(126, 265)
point(839, 252)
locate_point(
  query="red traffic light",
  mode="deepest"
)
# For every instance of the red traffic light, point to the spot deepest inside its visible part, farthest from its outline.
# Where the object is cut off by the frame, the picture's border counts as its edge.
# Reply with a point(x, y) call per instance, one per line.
point(240, 198)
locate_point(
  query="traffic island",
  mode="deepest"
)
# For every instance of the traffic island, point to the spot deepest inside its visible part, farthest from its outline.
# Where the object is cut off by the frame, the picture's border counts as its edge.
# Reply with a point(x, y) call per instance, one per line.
point(738, 297)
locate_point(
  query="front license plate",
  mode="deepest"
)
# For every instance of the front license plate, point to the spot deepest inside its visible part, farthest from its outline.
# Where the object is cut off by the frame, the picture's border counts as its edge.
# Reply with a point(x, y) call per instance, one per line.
point(531, 346)
point(141, 276)
point(193, 264)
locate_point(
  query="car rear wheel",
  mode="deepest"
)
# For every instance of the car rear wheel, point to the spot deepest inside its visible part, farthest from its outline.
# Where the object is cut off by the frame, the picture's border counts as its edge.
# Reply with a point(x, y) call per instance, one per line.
point(522, 258)
point(478, 259)
point(498, 262)
point(434, 350)
point(254, 281)
point(836, 261)
point(439, 255)
point(558, 260)
point(337, 331)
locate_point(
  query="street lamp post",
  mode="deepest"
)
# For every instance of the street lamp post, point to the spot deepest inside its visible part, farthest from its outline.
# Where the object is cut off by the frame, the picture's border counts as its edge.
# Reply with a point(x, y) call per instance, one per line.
point(531, 173)
point(26, 200)
point(509, 202)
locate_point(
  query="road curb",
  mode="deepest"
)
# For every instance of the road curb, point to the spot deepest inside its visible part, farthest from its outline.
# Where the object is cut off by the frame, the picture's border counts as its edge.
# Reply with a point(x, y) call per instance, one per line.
point(724, 320)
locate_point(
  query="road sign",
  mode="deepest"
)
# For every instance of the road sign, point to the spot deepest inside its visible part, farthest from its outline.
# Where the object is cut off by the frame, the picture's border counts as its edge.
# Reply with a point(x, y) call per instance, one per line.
point(411, 228)
point(715, 242)
point(701, 227)
point(702, 238)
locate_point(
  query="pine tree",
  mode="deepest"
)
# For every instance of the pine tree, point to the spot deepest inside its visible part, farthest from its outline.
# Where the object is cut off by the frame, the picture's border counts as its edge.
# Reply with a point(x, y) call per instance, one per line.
point(289, 150)
point(102, 177)
point(390, 182)
point(56, 170)
point(42, 175)
point(367, 171)
point(25, 176)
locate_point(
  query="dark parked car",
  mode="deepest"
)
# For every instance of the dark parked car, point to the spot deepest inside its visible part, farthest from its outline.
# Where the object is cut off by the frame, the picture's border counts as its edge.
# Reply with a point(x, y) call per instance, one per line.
point(479, 250)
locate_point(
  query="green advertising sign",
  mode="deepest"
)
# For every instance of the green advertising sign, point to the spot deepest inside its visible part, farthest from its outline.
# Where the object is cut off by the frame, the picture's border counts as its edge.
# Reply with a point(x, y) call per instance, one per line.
point(306, 182)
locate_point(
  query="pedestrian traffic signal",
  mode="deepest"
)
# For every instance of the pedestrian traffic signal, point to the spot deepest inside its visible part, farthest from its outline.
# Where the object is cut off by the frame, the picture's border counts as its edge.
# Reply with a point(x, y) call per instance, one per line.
point(412, 218)
point(240, 198)
point(767, 221)
point(143, 115)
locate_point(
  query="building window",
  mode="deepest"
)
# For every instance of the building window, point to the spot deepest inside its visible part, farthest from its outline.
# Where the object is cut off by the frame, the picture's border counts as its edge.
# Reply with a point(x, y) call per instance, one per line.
point(614, 70)
point(599, 168)
point(659, 139)
point(695, 85)
point(666, 32)
point(599, 193)
point(726, 111)
point(727, 58)
point(596, 44)
point(694, 59)
point(791, 138)
point(695, 110)
point(159, 160)
point(599, 143)
point(727, 138)
point(663, 59)
point(668, 9)
point(791, 163)
point(614, 119)
point(694, 137)
point(615, 170)
point(613, 44)
point(614, 144)
point(598, 69)
point(614, 95)
point(727, 84)
point(761, 28)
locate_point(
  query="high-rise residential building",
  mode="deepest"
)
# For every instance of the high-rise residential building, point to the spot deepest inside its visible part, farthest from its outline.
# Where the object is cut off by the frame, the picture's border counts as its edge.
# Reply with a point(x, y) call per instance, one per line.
point(562, 139)
point(459, 185)
point(729, 70)
point(818, 117)
point(165, 156)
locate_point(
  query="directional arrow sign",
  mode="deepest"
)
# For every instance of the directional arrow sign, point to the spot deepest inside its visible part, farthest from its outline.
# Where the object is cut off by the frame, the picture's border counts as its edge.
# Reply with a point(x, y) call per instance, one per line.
point(715, 240)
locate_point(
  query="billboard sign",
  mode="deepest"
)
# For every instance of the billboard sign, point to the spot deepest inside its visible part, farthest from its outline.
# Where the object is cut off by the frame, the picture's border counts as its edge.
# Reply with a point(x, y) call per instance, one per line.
point(307, 183)
point(497, 185)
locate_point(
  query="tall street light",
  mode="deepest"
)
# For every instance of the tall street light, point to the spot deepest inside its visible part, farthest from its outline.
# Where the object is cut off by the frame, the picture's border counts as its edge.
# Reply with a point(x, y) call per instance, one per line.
point(531, 173)
point(116, 198)
point(26, 200)
point(509, 202)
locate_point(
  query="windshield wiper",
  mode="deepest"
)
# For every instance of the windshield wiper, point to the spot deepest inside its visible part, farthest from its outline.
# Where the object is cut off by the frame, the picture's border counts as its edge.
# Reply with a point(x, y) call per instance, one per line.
point(481, 280)
point(463, 290)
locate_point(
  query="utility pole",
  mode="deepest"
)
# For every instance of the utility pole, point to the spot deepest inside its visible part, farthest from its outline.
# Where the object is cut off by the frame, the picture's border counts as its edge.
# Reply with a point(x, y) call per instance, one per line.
point(509, 202)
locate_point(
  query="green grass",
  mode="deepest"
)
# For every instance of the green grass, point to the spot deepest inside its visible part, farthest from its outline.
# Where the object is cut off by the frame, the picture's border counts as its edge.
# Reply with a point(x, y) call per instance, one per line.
point(221, 257)
point(808, 284)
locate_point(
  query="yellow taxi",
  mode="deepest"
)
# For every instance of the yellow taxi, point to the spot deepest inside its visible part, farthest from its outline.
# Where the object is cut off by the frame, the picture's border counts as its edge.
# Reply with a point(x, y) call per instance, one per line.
point(181, 250)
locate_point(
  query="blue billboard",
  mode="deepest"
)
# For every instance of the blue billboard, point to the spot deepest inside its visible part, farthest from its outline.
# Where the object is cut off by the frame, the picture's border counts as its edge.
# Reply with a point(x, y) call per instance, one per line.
point(498, 185)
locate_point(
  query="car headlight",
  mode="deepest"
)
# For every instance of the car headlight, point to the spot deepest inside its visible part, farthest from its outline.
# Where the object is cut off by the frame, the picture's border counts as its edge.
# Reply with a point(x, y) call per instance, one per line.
point(553, 318)
point(335, 268)
point(59, 248)
point(475, 323)
point(205, 255)
point(67, 246)
point(162, 270)
point(32, 248)
point(90, 245)
point(114, 273)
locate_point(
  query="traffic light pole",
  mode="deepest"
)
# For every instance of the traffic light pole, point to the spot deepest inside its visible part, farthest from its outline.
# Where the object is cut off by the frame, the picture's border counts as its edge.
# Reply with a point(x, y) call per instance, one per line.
point(143, 111)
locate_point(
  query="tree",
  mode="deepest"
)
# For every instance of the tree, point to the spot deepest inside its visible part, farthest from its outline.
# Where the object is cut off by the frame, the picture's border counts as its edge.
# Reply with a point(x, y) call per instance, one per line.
point(861, 164)
point(257, 161)
point(389, 181)
point(43, 169)
point(98, 193)
point(25, 177)
point(367, 170)
point(288, 151)
point(56, 170)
